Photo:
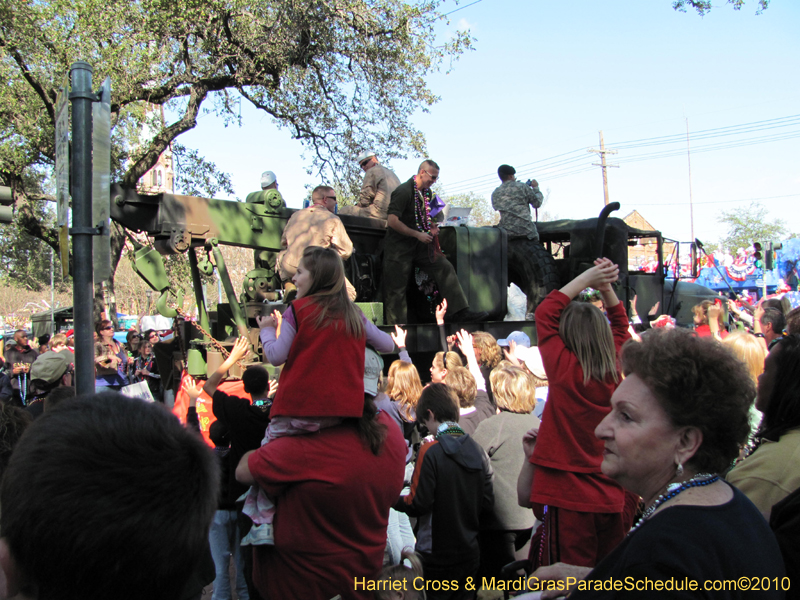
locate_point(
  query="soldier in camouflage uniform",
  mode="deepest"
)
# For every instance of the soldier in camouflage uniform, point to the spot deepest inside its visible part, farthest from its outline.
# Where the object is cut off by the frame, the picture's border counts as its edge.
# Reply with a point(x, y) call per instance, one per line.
point(513, 199)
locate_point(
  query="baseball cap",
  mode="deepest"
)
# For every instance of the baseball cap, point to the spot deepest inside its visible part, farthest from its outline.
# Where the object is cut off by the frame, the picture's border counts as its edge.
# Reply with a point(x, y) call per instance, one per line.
point(373, 367)
point(519, 338)
point(267, 178)
point(533, 360)
point(50, 366)
point(364, 156)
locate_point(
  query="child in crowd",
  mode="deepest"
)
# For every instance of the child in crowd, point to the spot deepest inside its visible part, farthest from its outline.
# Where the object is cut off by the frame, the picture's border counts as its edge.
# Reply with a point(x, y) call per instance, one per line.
point(442, 363)
point(581, 509)
point(411, 576)
point(450, 489)
point(403, 386)
point(323, 337)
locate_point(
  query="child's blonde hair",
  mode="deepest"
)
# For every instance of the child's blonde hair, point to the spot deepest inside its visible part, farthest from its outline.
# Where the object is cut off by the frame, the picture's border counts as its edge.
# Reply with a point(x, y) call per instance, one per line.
point(330, 292)
point(514, 388)
point(400, 572)
point(404, 387)
point(453, 360)
point(587, 334)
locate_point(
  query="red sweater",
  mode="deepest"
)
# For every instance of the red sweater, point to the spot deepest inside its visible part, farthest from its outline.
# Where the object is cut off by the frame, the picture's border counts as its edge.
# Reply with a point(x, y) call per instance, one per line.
point(333, 497)
point(324, 372)
point(566, 445)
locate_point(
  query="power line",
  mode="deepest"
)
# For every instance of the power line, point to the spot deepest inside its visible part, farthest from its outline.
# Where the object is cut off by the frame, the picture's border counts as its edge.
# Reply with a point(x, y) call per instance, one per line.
point(461, 8)
point(552, 168)
point(717, 201)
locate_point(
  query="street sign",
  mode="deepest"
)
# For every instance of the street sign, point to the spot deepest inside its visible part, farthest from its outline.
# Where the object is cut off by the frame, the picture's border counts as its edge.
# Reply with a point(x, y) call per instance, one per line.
point(62, 153)
point(101, 182)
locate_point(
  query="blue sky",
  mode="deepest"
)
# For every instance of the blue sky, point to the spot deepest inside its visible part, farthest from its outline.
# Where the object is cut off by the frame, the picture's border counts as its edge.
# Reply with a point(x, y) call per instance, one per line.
point(545, 77)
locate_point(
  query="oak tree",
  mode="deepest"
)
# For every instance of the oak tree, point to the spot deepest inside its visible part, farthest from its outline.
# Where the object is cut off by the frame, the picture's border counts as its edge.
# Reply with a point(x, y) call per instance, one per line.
point(341, 75)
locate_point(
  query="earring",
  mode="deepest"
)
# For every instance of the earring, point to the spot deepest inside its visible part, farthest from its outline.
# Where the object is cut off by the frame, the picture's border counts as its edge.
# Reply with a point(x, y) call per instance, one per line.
point(679, 470)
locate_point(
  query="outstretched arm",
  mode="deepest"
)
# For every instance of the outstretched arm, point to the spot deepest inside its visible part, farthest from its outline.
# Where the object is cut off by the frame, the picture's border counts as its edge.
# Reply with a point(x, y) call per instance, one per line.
point(240, 349)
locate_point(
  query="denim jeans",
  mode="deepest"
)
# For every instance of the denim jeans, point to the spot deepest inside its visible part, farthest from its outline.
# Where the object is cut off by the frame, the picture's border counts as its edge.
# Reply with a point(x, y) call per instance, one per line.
point(224, 537)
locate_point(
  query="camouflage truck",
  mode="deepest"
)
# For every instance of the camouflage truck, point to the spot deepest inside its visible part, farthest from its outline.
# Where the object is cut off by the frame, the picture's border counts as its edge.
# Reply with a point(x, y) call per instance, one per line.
point(198, 226)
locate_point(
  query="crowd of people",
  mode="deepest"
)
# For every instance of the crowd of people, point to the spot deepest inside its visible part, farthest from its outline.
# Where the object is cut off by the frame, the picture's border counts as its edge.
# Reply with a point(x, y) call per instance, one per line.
point(612, 450)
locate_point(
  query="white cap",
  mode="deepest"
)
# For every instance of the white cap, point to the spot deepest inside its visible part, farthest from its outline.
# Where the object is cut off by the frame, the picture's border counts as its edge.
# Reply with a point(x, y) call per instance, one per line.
point(364, 156)
point(267, 178)
point(532, 359)
point(373, 367)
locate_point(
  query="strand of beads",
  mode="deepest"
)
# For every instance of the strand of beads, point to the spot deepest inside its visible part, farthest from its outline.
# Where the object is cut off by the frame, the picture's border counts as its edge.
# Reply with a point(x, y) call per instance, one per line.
point(673, 489)
point(449, 427)
point(422, 209)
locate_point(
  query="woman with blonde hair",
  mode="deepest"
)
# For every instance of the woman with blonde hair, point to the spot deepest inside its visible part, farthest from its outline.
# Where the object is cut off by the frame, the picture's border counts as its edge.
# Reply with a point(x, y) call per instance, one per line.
point(505, 535)
point(749, 350)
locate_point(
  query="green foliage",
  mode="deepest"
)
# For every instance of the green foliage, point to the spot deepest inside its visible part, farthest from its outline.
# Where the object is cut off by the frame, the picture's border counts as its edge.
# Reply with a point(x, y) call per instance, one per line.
point(750, 224)
point(341, 75)
point(703, 6)
point(195, 176)
point(24, 259)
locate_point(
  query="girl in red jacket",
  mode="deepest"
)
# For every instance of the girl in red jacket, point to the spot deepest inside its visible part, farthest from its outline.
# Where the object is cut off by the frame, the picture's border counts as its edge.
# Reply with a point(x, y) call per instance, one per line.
point(581, 508)
point(322, 343)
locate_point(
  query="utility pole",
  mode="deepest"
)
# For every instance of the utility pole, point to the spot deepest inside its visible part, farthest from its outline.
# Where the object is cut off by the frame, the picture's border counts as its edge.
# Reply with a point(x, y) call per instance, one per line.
point(602, 164)
point(689, 158)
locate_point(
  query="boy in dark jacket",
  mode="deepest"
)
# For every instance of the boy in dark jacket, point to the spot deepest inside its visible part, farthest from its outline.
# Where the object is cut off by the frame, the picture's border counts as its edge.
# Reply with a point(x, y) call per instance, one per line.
point(450, 489)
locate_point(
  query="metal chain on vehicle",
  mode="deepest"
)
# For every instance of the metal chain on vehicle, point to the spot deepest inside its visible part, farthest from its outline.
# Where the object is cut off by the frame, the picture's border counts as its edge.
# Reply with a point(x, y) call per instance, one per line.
point(215, 343)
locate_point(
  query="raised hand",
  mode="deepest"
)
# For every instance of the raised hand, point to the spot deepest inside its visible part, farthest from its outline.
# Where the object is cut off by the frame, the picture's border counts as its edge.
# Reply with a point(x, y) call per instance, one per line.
point(441, 310)
point(399, 336)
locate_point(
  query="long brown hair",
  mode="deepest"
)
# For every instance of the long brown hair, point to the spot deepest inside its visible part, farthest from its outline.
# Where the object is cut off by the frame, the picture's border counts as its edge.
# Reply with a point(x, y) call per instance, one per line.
point(333, 306)
point(586, 333)
point(371, 432)
point(404, 387)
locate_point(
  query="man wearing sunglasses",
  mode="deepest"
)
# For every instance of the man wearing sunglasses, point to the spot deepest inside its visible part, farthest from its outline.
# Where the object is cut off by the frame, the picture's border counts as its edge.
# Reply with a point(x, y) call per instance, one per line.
point(19, 359)
point(316, 225)
point(411, 241)
point(376, 190)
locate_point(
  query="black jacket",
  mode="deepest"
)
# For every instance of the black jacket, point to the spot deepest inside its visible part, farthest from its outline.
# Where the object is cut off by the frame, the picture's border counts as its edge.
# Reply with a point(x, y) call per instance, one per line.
point(450, 489)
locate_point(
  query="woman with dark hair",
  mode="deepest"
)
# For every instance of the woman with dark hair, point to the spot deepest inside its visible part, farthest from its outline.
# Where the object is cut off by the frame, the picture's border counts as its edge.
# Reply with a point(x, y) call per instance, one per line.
point(772, 471)
point(110, 358)
point(677, 421)
point(334, 490)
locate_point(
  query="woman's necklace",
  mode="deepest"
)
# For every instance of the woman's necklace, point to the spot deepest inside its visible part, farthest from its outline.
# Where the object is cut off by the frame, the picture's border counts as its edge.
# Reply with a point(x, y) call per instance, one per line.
point(673, 489)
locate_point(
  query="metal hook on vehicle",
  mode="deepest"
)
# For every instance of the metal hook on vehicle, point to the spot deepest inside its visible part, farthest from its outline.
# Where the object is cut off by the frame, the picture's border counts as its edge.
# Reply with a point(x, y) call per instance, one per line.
point(162, 306)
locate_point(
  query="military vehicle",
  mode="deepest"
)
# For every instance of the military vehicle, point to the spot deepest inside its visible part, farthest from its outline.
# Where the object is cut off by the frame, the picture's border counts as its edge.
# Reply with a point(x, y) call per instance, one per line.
point(198, 226)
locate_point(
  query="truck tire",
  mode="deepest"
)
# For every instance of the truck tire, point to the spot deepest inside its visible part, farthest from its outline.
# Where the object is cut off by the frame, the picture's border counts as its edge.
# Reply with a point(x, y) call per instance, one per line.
point(533, 269)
